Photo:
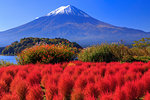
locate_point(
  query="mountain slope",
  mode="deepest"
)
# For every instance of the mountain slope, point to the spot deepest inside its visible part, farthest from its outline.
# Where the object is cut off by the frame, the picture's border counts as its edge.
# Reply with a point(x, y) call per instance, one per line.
point(73, 24)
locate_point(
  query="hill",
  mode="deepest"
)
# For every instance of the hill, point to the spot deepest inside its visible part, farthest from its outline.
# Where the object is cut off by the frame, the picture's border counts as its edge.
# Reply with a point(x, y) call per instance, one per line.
point(16, 47)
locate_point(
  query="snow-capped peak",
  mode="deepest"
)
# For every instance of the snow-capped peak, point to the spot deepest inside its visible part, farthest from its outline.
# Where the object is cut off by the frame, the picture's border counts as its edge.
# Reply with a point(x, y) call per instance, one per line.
point(69, 10)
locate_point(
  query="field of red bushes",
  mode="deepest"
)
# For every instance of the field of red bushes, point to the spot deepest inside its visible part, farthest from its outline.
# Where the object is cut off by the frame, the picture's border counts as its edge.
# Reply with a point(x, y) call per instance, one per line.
point(76, 81)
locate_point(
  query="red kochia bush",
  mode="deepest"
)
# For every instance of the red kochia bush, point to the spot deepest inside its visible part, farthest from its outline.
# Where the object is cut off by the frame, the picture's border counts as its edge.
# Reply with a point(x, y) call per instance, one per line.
point(89, 98)
point(146, 80)
point(119, 94)
point(35, 93)
point(3, 88)
point(65, 86)
point(34, 78)
point(77, 81)
point(107, 97)
point(91, 90)
point(140, 87)
point(22, 74)
point(58, 97)
point(51, 90)
point(19, 87)
point(7, 79)
point(81, 82)
point(77, 94)
point(147, 96)
point(130, 91)
point(119, 79)
point(44, 80)
point(10, 97)
point(103, 86)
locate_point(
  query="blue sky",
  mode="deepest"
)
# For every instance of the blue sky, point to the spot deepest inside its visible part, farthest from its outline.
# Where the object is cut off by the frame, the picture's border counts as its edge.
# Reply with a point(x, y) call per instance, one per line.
point(124, 13)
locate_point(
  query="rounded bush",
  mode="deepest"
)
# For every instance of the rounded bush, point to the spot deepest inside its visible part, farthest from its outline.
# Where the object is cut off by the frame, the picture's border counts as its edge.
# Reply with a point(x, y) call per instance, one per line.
point(127, 58)
point(99, 53)
point(20, 88)
point(65, 86)
point(147, 96)
point(35, 93)
point(46, 54)
point(139, 51)
point(10, 97)
point(3, 88)
point(77, 95)
point(107, 53)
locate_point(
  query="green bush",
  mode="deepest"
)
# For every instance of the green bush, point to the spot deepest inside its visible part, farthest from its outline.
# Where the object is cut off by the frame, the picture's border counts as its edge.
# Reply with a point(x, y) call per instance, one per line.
point(46, 54)
point(142, 58)
point(120, 51)
point(128, 58)
point(99, 53)
point(139, 51)
point(106, 53)
point(148, 50)
point(5, 63)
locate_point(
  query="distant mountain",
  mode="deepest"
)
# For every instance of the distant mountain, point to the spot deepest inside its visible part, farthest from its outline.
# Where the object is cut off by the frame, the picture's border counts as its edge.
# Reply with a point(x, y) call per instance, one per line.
point(73, 24)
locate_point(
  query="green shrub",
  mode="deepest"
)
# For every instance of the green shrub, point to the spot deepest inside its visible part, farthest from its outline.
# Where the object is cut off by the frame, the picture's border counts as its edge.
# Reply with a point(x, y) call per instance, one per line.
point(106, 53)
point(99, 53)
point(128, 58)
point(139, 52)
point(5, 63)
point(142, 58)
point(46, 54)
point(148, 50)
point(120, 51)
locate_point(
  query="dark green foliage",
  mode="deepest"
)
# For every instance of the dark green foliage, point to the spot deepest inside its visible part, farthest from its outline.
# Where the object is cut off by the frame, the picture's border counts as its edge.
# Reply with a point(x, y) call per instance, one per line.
point(142, 58)
point(1, 49)
point(16, 47)
point(128, 58)
point(106, 53)
point(139, 51)
point(120, 51)
point(99, 53)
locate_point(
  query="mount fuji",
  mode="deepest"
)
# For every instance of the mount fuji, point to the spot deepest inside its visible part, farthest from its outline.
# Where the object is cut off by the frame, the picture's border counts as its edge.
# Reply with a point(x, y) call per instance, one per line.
point(73, 24)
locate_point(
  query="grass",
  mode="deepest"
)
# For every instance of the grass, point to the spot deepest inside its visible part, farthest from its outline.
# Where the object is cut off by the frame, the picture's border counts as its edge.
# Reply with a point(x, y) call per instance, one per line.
point(5, 63)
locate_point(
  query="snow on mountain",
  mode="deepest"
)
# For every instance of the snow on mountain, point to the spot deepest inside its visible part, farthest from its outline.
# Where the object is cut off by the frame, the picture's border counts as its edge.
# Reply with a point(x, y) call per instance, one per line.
point(69, 10)
point(73, 24)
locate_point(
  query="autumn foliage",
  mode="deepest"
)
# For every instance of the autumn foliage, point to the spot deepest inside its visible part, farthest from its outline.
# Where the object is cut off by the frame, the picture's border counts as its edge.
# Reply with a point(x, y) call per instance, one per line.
point(76, 81)
point(46, 54)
